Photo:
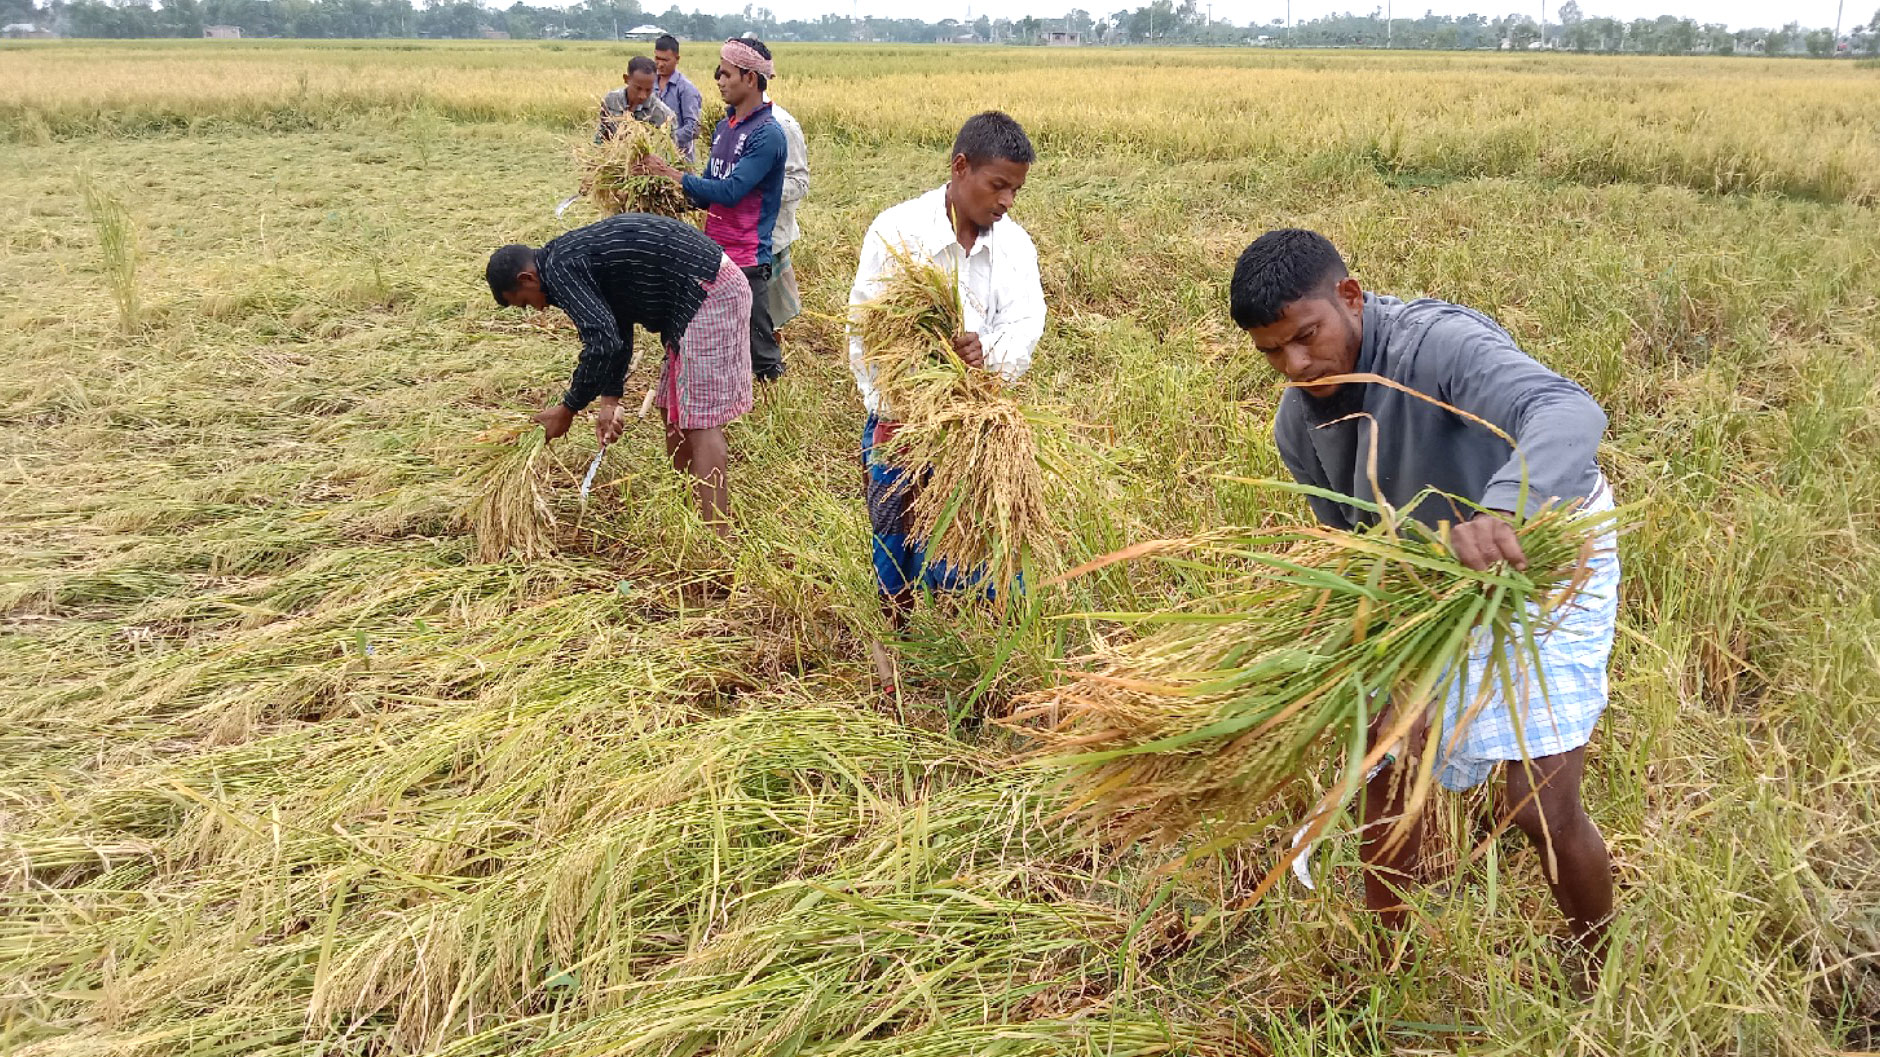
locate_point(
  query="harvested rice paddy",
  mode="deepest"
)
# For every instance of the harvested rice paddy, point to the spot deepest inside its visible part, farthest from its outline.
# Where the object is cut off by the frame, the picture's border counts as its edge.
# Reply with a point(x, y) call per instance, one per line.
point(289, 766)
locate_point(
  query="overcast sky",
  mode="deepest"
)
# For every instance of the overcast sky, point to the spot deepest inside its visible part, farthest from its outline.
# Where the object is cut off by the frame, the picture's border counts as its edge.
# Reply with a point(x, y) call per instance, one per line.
point(1734, 13)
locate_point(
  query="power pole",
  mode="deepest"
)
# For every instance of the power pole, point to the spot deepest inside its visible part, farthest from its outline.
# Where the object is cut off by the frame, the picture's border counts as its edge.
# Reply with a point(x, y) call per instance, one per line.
point(1390, 24)
point(1837, 28)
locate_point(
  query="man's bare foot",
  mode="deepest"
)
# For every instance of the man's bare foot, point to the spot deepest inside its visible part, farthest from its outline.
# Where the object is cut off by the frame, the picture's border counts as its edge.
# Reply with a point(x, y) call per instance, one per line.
point(887, 669)
point(1579, 969)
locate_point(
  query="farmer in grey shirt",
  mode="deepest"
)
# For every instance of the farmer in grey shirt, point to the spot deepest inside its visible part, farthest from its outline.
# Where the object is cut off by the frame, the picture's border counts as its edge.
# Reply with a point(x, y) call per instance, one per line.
point(1292, 294)
point(636, 98)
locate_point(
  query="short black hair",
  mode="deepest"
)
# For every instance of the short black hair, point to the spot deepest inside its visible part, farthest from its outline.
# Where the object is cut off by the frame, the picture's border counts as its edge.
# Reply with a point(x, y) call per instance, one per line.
point(763, 83)
point(642, 64)
point(1281, 267)
point(505, 265)
point(667, 42)
point(993, 136)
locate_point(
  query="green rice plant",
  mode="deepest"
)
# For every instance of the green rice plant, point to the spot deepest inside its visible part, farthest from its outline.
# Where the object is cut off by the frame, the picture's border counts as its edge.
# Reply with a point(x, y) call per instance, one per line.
point(1310, 635)
point(117, 246)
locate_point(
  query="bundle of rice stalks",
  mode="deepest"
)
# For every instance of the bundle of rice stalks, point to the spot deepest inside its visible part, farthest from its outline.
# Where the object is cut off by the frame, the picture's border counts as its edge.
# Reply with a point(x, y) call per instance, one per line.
point(510, 511)
point(1313, 633)
point(608, 179)
point(981, 505)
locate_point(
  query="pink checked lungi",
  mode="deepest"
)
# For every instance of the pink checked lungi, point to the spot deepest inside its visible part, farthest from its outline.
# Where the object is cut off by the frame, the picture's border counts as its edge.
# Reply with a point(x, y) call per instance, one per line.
point(706, 381)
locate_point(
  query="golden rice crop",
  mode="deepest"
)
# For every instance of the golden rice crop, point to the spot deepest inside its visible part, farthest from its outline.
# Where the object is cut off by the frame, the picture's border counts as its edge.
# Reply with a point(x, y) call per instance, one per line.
point(982, 505)
point(510, 511)
point(608, 179)
point(1312, 633)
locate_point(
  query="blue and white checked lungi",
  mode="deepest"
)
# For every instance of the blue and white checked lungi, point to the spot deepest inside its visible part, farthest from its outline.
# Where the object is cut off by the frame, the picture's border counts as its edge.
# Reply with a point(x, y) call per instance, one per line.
point(1558, 711)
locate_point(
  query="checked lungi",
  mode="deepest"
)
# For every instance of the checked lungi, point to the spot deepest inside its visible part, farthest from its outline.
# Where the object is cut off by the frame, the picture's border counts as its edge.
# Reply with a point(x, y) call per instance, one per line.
point(1558, 707)
point(706, 381)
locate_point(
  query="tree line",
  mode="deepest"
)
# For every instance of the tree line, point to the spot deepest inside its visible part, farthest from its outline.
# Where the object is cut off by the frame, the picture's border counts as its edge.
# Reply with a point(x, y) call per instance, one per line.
point(1159, 22)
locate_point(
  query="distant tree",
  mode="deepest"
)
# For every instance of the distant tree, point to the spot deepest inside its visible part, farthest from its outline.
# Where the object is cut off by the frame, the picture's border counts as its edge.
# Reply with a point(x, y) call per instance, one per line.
point(1820, 43)
point(1782, 41)
point(1676, 36)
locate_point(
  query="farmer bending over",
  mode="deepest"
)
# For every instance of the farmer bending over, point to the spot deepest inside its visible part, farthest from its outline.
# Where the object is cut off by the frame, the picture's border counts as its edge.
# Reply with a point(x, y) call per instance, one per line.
point(1312, 321)
point(670, 279)
point(742, 186)
point(635, 98)
point(963, 227)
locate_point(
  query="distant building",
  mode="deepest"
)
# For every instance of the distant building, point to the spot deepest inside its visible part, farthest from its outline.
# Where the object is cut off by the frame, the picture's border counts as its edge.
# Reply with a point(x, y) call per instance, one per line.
point(488, 33)
point(646, 32)
point(222, 32)
point(1061, 38)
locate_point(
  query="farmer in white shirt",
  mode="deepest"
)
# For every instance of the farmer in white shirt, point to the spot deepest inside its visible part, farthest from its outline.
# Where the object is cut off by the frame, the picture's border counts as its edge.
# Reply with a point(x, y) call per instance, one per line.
point(786, 303)
point(963, 227)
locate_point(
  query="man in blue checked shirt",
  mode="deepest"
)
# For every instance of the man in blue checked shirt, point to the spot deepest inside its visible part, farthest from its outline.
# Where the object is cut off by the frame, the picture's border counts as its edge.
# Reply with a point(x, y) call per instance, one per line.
point(1292, 294)
point(679, 94)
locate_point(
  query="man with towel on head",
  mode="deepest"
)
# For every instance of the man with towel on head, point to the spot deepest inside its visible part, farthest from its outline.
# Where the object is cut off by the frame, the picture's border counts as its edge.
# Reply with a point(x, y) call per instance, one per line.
point(742, 186)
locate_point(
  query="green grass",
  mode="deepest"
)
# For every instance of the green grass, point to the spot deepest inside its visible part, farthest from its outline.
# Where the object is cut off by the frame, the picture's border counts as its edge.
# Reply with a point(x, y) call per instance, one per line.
point(283, 769)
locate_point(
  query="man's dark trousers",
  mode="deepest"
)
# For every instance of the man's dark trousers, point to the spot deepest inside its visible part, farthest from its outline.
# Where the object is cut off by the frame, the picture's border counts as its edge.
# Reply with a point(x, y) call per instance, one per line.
point(766, 354)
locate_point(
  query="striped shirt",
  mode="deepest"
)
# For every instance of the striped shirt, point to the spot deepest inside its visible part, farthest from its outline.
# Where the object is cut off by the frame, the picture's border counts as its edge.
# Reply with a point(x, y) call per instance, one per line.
point(630, 269)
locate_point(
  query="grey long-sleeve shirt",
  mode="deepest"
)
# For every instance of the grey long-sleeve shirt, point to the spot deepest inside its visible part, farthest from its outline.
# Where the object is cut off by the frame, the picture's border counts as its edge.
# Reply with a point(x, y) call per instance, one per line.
point(1464, 359)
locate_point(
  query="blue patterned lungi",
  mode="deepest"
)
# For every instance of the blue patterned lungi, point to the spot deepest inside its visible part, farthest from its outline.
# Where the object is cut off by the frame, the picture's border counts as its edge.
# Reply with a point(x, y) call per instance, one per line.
point(1559, 710)
point(901, 561)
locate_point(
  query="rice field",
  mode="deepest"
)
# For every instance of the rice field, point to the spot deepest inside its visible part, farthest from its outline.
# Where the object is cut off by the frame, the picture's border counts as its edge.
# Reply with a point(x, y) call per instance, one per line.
point(288, 767)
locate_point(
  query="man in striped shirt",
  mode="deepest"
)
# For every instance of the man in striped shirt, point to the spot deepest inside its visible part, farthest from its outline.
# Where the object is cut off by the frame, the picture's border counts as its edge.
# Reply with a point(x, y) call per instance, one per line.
point(668, 278)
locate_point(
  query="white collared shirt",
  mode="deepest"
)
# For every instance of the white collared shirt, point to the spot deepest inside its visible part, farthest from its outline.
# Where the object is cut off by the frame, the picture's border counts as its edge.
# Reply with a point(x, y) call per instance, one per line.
point(795, 178)
point(1000, 291)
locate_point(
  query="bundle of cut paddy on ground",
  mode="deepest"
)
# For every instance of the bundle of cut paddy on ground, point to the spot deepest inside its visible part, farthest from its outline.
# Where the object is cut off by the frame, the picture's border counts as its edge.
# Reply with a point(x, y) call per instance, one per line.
point(983, 505)
point(608, 179)
point(1224, 704)
point(509, 509)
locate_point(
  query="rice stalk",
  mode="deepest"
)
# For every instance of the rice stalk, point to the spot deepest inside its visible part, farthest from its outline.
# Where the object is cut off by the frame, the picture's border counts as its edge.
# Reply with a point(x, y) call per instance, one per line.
point(117, 241)
point(980, 499)
point(1310, 635)
point(510, 511)
point(608, 179)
